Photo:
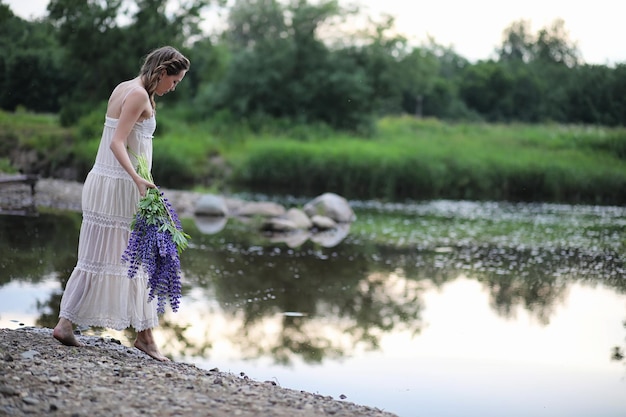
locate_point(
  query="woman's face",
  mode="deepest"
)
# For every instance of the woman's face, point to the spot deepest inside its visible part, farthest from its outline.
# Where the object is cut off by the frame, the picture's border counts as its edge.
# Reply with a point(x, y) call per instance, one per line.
point(169, 82)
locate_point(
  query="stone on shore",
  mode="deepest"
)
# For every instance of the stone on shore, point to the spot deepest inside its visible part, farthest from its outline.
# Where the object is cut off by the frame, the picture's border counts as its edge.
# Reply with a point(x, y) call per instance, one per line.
point(332, 206)
point(211, 205)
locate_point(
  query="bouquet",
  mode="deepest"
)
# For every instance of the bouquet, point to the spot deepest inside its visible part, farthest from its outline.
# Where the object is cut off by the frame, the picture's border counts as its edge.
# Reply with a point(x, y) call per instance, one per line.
point(156, 241)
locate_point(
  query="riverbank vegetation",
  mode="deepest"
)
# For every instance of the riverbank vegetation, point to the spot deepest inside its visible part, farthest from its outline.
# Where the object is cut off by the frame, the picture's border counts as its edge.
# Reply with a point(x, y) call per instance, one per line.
point(404, 158)
point(289, 97)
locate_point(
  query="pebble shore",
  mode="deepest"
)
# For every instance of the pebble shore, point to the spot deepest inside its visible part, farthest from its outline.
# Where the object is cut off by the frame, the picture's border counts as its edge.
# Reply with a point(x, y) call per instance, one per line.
point(40, 376)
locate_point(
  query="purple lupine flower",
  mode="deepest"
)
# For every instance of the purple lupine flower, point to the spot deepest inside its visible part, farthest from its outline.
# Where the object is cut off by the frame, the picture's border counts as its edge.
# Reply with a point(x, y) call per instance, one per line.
point(172, 212)
point(155, 243)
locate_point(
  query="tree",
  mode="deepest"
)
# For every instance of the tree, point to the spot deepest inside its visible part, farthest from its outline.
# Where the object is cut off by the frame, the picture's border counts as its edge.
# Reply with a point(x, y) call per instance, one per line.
point(596, 95)
point(33, 79)
point(419, 71)
point(517, 43)
point(281, 69)
point(32, 74)
point(534, 72)
point(554, 46)
point(484, 88)
point(152, 26)
point(253, 22)
point(550, 45)
point(99, 52)
point(430, 77)
point(91, 39)
point(379, 51)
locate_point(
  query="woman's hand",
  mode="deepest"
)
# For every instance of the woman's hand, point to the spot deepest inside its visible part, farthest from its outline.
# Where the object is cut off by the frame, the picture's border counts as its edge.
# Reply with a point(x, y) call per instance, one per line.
point(143, 185)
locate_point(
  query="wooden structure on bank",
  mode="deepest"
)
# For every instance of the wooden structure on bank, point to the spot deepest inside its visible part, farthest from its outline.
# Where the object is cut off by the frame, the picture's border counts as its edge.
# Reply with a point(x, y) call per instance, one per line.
point(15, 203)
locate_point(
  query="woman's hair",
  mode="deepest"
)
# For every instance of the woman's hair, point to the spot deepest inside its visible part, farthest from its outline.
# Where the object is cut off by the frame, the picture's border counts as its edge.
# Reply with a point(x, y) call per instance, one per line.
point(165, 58)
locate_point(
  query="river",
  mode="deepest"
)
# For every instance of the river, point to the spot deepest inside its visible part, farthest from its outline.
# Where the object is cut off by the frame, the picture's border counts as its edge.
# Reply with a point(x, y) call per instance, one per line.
point(440, 308)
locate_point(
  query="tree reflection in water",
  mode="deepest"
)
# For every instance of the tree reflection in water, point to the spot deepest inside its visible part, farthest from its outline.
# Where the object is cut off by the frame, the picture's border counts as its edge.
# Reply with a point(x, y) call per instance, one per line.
point(312, 302)
point(343, 300)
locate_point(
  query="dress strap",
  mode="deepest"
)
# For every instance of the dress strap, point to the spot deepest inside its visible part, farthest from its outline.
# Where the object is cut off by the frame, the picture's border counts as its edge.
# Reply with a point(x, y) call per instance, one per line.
point(130, 91)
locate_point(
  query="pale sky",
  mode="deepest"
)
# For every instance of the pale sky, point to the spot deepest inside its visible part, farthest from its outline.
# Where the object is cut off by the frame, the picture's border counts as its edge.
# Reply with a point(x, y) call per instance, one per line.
point(474, 28)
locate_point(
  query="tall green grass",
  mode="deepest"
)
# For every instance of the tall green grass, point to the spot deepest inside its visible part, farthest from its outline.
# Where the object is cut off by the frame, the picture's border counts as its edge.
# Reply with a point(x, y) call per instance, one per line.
point(404, 158)
point(33, 143)
point(425, 159)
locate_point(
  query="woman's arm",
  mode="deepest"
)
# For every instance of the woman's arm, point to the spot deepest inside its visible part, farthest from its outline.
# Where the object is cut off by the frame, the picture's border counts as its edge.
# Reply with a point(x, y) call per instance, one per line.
point(132, 109)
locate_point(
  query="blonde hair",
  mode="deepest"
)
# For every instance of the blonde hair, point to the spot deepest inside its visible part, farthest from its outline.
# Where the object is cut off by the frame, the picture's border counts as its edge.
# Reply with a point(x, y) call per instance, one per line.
point(165, 58)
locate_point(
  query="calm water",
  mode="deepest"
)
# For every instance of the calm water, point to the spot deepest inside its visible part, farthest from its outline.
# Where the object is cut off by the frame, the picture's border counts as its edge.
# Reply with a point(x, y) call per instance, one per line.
point(434, 309)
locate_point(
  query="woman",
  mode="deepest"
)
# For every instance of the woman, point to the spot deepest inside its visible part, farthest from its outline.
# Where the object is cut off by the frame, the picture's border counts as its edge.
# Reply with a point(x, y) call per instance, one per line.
point(99, 292)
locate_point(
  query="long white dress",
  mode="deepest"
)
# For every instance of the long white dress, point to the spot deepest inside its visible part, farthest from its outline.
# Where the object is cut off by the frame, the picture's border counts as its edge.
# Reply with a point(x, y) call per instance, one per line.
point(99, 292)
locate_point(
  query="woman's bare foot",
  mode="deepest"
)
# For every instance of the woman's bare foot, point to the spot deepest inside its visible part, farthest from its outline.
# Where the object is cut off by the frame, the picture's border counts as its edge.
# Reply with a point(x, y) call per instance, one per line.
point(145, 343)
point(64, 333)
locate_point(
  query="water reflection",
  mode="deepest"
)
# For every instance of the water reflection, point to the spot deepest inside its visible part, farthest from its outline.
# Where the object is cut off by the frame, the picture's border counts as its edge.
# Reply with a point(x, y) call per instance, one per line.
point(313, 304)
point(364, 291)
point(33, 247)
point(257, 282)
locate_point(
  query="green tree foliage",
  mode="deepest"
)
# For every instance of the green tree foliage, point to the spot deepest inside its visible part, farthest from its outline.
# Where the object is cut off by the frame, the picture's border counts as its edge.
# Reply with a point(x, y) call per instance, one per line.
point(99, 51)
point(430, 78)
point(485, 88)
point(597, 95)
point(280, 68)
point(517, 43)
point(31, 71)
point(32, 81)
point(274, 60)
point(209, 65)
point(553, 45)
point(89, 33)
point(541, 78)
point(153, 26)
point(252, 22)
point(380, 54)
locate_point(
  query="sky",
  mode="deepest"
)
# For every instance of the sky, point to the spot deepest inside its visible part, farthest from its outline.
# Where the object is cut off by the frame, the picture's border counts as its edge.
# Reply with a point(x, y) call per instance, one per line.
point(474, 28)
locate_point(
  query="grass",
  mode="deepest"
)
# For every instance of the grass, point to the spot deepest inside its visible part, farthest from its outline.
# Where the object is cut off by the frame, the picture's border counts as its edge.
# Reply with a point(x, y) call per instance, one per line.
point(426, 159)
point(37, 140)
point(404, 159)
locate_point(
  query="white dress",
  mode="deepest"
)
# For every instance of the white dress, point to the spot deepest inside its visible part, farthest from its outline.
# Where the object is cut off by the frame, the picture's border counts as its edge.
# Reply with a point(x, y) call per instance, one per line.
point(99, 292)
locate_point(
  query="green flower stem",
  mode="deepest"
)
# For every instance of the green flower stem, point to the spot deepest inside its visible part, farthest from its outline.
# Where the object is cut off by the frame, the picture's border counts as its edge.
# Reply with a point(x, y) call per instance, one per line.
point(154, 206)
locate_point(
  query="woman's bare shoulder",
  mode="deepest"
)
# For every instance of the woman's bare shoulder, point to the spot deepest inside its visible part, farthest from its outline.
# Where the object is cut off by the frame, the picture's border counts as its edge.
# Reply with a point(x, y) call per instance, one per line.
point(120, 86)
point(127, 91)
point(125, 88)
